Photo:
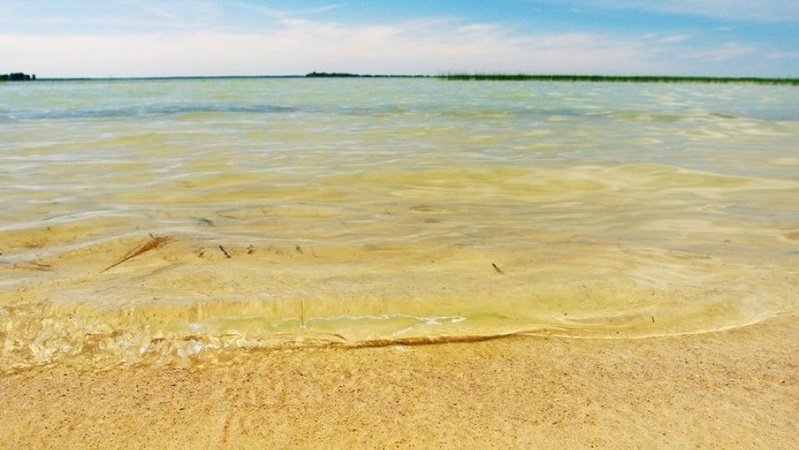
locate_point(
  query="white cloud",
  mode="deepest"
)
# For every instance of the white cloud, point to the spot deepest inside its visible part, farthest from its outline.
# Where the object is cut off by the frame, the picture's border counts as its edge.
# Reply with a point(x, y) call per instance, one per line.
point(276, 13)
point(765, 10)
point(783, 55)
point(299, 45)
point(759, 10)
point(723, 53)
point(201, 39)
point(670, 39)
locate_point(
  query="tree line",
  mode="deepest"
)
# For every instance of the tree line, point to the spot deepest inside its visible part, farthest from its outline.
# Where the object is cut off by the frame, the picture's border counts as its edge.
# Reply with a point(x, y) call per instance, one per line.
point(19, 76)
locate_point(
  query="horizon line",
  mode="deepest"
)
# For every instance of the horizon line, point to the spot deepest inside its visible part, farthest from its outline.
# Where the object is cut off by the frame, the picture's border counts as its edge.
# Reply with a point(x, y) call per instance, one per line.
point(457, 76)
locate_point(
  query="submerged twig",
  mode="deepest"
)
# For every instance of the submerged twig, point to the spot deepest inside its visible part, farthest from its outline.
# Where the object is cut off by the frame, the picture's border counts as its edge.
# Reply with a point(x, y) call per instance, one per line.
point(153, 243)
point(497, 268)
point(37, 265)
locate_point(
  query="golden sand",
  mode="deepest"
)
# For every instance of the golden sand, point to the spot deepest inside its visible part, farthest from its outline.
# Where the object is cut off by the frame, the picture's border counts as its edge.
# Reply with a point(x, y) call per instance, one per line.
point(730, 389)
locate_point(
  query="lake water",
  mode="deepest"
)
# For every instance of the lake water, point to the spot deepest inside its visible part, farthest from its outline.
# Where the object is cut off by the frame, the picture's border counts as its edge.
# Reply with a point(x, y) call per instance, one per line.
point(165, 221)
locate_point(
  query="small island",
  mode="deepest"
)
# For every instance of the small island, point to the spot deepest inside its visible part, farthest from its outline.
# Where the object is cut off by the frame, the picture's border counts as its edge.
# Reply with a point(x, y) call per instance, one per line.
point(315, 74)
point(19, 76)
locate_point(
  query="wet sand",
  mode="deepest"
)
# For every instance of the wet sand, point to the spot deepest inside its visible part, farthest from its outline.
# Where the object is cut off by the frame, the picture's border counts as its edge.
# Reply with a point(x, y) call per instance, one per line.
point(730, 389)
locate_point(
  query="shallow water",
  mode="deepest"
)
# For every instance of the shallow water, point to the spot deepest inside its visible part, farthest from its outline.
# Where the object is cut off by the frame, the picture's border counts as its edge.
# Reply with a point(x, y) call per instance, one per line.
point(284, 212)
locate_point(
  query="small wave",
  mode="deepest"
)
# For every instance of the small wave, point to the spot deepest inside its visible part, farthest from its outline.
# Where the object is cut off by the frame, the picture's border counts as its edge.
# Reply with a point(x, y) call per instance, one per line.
point(142, 111)
point(37, 334)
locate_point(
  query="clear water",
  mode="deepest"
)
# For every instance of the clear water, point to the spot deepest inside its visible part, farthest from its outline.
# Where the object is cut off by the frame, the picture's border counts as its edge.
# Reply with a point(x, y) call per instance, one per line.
point(162, 220)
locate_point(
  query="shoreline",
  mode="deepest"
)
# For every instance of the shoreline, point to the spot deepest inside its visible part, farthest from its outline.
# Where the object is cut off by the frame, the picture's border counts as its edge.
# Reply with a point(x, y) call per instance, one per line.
point(736, 388)
point(558, 78)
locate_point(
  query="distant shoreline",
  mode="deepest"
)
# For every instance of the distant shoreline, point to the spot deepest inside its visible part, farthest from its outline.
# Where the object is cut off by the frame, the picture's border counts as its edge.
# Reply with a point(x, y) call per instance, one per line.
point(617, 78)
point(471, 77)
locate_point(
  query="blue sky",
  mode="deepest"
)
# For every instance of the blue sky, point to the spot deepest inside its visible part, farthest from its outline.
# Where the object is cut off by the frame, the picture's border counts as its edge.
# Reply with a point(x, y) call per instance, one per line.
point(121, 38)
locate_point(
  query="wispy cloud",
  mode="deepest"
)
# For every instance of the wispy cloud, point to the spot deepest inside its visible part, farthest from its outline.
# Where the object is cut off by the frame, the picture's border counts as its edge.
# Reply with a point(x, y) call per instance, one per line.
point(761, 10)
point(283, 13)
point(726, 52)
point(783, 55)
point(212, 37)
point(108, 17)
point(299, 45)
point(670, 39)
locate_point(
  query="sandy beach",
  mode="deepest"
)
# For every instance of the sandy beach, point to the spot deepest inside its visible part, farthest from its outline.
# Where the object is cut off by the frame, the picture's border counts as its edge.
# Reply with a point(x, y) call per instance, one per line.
point(731, 389)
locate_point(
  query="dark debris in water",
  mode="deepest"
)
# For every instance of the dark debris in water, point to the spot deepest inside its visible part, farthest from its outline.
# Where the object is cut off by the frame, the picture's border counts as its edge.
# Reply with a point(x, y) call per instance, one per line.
point(153, 243)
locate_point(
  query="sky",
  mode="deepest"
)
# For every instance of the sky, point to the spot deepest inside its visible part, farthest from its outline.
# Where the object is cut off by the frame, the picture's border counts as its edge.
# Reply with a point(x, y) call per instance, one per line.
point(149, 38)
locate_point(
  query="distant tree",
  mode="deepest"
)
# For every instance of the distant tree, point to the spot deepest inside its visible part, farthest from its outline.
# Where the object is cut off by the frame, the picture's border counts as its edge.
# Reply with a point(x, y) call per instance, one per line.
point(17, 76)
point(315, 74)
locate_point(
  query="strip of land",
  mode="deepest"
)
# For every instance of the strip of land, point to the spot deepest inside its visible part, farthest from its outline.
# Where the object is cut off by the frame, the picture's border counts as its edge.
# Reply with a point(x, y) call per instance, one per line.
point(571, 78)
point(730, 389)
point(472, 77)
point(618, 78)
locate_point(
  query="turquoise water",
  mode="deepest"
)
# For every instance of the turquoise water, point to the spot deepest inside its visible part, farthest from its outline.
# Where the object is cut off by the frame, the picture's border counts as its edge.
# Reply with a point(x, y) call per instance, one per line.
point(163, 220)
